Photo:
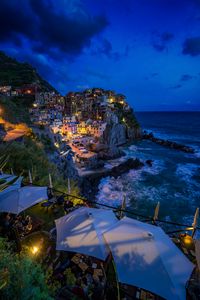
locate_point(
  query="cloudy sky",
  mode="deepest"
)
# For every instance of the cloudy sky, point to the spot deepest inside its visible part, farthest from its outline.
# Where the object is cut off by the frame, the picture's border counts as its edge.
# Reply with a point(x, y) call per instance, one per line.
point(147, 49)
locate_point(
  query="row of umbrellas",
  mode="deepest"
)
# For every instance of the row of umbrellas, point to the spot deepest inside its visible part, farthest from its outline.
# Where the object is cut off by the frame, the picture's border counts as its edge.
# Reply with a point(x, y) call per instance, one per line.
point(144, 255)
point(14, 198)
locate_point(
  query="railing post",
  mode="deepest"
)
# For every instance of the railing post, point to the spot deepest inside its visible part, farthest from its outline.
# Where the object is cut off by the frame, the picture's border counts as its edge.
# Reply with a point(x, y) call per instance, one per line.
point(68, 186)
point(30, 177)
point(156, 212)
point(195, 222)
point(123, 207)
point(50, 181)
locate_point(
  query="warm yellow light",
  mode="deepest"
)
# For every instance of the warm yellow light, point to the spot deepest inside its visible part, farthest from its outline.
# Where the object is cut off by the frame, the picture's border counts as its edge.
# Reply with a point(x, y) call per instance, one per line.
point(121, 102)
point(56, 145)
point(34, 105)
point(34, 250)
point(187, 240)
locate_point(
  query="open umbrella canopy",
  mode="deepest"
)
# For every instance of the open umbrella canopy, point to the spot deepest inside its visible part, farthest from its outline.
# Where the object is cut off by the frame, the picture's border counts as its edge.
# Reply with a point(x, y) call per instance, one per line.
point(7, 176)
point(18, 199)
point(82, 231)
point(145, 257)
point(11, 183)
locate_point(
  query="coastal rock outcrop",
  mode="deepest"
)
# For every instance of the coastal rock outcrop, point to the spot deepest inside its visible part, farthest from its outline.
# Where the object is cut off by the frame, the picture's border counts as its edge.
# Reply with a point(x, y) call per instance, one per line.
point(167, 143)
point(89, 183)
point(112, 152)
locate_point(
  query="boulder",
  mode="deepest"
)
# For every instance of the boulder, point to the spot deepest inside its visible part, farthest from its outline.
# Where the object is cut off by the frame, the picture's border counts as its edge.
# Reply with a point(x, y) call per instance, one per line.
point(149, 162)
point(111, 152)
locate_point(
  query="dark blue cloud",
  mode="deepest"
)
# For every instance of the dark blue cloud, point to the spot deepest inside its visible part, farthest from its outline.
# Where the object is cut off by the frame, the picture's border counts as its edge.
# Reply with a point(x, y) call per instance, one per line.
point(161, 41)
point(186, 77)
point(134, 47)
point(47, 29)
point(191, 46)
point(178, 86)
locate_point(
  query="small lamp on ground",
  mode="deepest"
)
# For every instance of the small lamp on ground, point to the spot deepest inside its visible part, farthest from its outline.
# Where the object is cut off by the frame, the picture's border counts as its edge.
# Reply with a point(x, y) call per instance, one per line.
point(34, 250)
point(188, 241)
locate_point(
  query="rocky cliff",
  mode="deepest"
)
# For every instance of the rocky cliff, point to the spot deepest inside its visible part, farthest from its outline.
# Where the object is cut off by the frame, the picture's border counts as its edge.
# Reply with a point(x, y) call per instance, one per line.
point(115, 134)
point(123, 127)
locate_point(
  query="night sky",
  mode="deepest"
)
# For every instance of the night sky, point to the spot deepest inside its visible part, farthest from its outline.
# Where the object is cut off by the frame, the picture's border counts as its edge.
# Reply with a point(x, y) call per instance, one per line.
point(147, 49)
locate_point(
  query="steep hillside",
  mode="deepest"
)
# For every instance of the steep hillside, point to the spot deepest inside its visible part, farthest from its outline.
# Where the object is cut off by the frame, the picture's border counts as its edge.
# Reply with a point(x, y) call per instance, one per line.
point(18, 74)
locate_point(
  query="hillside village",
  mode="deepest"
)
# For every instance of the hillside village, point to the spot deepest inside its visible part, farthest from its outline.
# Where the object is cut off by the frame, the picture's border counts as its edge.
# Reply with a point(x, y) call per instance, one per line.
point(86, 123)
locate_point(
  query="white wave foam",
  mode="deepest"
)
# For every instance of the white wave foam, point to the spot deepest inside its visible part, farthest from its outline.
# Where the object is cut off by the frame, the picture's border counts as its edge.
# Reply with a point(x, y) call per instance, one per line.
point(197, 151)
point(111, 190)
point(133, 148)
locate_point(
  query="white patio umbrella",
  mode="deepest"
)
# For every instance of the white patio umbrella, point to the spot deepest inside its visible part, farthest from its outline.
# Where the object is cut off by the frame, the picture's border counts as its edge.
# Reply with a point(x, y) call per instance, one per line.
point(19, 199)
point(14, 186)
point(2, 176)
point(145, 257)
point(82, 231)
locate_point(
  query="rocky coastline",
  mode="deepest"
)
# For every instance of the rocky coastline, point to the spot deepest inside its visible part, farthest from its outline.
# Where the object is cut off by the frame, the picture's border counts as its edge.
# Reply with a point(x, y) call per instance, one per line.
point(166, 143)
point(89, 183)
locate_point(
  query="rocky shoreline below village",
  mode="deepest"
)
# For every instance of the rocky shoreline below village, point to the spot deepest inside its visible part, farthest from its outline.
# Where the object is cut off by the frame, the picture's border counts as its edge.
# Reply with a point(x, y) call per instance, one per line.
point(110, 150)
point(89, 181)
point(166, 143)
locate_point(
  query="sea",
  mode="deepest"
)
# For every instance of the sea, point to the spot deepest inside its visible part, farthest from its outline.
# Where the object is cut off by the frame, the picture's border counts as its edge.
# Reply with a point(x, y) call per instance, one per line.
point(174, 178)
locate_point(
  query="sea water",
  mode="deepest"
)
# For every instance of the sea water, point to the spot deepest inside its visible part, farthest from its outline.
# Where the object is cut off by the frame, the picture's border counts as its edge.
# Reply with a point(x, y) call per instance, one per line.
point(174, 178)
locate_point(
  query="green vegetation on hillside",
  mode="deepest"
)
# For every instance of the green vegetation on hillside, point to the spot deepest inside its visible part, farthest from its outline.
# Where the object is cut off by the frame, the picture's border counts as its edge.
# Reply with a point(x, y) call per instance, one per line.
point(21, 276)
point(15, 109)
point(30, 155)
point(17, 74)
point(128, 117)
